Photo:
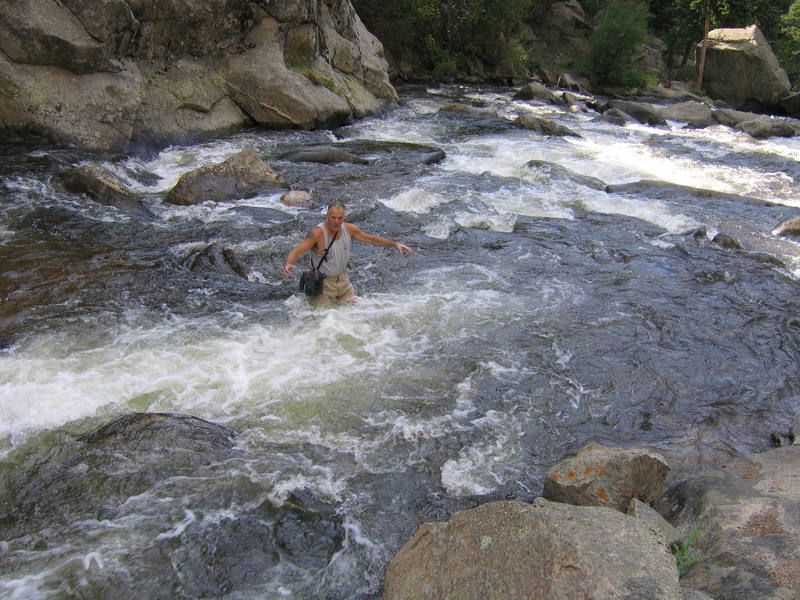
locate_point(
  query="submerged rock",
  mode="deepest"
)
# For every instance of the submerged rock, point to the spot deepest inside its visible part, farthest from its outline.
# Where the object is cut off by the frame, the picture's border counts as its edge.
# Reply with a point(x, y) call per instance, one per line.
point(323, 154)
point(166, 495)
point(556, 172)
point(150, 430)
point(790, 226)
point(103, 186)
point(216, 259)
point(94, 475)
point(467, 110)
point(652, 188)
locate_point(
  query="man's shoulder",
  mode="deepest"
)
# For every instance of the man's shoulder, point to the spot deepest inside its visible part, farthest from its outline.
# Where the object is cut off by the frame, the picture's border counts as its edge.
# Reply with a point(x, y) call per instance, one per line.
point(315, 231)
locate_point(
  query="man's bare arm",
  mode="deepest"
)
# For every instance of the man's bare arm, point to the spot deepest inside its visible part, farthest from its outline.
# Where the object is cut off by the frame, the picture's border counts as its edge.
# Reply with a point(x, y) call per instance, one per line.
point(307, 244)
point(376, 240)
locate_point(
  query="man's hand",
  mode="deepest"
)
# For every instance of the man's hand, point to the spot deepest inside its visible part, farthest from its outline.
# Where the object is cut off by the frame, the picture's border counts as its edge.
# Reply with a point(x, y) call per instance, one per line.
point(403, 249)
point(287, 268)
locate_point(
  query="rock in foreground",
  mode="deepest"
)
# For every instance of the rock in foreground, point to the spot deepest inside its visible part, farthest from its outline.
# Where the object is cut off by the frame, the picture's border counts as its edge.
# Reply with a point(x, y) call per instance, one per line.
point(542, 551)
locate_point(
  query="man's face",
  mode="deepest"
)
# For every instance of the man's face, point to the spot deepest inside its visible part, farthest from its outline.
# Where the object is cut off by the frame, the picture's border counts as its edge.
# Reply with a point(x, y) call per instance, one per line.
point(335, 218)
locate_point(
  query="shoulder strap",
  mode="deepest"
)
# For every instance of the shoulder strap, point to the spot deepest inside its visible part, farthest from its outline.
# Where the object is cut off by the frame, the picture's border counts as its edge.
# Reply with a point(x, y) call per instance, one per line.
point(324, 256)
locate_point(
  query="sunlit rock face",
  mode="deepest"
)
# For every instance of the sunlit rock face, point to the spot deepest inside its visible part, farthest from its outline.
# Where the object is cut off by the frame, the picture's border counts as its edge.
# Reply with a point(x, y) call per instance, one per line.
point(111, 74)
point(742, 70)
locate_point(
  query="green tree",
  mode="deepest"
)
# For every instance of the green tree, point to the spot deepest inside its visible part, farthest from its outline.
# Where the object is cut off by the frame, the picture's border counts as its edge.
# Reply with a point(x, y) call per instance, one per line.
point(616, 40)
point(681, 23)
point(444, 35)
point(789, 44)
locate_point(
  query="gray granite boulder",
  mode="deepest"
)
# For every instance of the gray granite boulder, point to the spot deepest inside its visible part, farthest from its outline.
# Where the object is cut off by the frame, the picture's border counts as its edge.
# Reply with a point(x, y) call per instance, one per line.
point(243, 175)
point(742, 69)
point(118, 74)
point(544, 550)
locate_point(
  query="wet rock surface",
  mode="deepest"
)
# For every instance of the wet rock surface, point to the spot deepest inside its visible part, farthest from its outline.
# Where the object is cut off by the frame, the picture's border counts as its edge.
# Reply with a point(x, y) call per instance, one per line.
point(136, 465)
point(243, 175)
point(104, 187)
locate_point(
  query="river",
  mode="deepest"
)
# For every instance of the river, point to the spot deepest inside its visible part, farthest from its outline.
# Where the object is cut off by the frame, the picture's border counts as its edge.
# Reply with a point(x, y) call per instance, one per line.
point(538, 313)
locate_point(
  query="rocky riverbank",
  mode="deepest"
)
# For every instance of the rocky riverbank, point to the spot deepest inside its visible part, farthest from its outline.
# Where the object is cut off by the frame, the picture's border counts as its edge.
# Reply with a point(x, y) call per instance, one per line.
point(611, 522)
point(120, 75)
point(727, 533)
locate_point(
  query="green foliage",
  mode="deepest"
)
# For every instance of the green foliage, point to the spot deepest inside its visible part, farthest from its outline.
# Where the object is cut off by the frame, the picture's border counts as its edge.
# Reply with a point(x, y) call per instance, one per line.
point(788, 47)
point(616, 41)
point(680, 22)
point(443, 35)
point(682, 551)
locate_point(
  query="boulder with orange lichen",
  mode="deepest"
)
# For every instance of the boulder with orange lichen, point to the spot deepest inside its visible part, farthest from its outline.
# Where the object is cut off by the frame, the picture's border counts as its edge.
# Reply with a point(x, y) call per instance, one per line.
point(604, 476)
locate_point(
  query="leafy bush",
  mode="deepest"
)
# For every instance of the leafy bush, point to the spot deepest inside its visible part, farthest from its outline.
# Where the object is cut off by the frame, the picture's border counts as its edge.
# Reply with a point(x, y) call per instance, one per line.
point(618, 38)
point(684, 558)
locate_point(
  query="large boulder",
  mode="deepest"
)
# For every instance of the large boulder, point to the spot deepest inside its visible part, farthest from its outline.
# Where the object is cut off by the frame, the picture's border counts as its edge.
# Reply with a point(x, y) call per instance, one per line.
point(641, 111)
point(544, 126)
point(742, 70)
point(243, 175)
point(766, 127)
point(604, 476)
point(114, 74)
point(544, 550)
point(695, 114)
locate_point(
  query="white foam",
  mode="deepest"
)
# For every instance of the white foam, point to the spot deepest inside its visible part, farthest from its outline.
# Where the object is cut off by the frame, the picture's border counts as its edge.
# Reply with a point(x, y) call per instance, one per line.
point(648, 210)
point(416, 200)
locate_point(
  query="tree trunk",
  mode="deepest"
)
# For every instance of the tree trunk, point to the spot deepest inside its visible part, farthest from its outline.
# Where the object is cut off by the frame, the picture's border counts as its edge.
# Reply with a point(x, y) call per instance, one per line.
point(702, 67)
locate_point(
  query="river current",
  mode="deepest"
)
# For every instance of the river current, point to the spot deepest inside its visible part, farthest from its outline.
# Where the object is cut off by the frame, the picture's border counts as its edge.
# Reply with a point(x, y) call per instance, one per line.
point(539, 313)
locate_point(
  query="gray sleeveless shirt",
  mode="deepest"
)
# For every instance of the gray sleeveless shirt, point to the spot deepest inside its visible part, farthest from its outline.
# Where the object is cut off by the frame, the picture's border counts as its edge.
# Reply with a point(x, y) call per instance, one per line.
point(338, 255)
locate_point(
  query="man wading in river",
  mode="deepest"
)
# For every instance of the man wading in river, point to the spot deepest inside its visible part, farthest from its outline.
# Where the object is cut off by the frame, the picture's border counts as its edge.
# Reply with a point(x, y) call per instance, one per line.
point(336, 285)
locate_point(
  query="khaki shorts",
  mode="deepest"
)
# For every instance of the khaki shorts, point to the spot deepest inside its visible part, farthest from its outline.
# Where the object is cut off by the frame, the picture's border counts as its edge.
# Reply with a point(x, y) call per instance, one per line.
point(336, 288)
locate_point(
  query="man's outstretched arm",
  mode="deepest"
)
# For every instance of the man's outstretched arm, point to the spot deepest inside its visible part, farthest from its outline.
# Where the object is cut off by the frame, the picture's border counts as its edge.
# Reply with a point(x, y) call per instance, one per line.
point(376, 240)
